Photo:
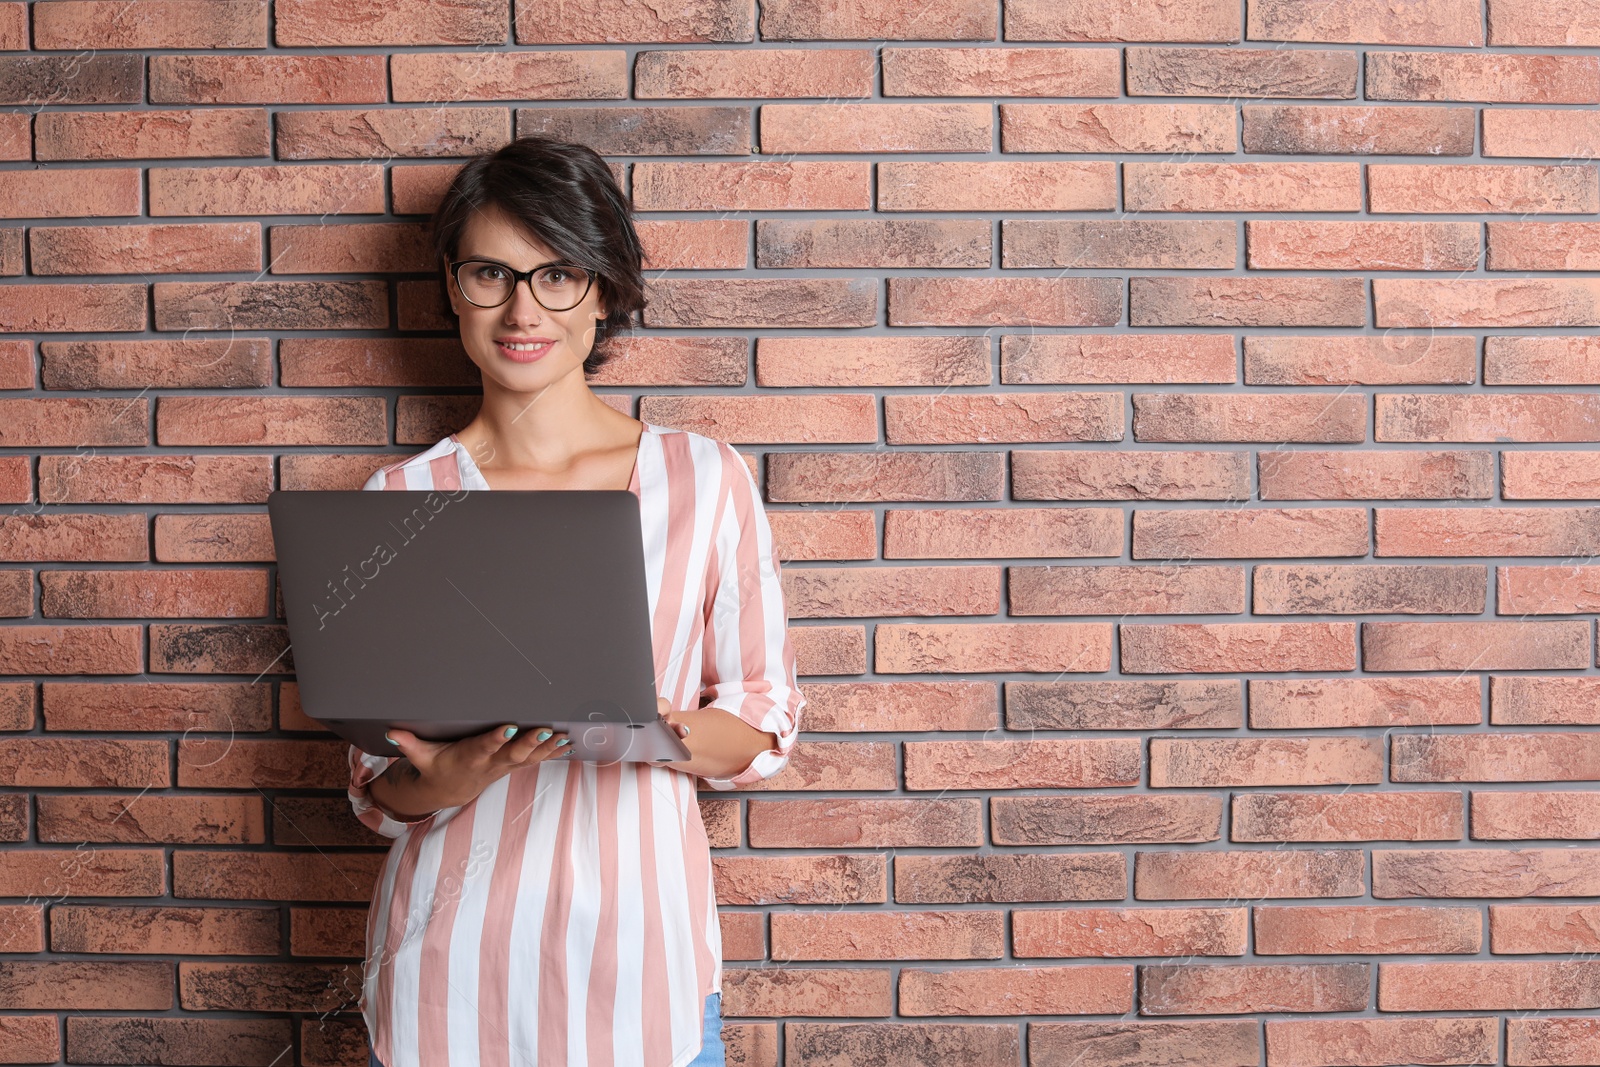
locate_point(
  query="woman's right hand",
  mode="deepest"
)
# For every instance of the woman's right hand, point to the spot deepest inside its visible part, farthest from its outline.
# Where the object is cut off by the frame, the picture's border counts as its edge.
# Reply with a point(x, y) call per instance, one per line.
point(457, 771)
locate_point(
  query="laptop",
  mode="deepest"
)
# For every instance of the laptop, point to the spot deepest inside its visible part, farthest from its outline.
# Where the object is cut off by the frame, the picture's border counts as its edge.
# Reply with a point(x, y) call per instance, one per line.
point(448, 613)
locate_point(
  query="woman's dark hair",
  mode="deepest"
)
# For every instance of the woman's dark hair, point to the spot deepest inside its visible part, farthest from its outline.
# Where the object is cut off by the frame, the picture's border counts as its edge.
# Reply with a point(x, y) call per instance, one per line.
point(565, 195)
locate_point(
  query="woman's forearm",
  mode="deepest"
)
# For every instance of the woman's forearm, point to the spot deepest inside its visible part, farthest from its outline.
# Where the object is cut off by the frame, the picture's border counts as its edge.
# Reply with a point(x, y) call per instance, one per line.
point(401, 792)
point(721, 745)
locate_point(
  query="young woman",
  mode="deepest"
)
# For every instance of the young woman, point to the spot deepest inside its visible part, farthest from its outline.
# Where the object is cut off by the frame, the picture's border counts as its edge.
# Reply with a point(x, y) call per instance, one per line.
point(535, 910)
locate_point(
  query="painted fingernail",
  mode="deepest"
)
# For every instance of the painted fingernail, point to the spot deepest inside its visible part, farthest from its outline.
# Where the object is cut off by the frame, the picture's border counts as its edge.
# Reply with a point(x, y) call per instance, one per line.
point(685, 731)
point(511, 731)
point(389, 739)
point(564, 741)
point(543, 735)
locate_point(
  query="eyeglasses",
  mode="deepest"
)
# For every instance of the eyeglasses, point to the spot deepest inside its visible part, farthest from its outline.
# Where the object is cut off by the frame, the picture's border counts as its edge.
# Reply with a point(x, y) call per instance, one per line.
point(556, 286)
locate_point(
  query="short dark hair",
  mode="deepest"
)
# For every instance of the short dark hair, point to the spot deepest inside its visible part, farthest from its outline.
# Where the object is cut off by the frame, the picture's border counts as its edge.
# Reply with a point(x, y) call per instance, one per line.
point(566, 196)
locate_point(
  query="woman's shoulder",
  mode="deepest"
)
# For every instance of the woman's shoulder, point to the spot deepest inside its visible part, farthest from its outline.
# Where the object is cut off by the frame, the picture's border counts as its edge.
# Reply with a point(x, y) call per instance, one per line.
point(416, 471)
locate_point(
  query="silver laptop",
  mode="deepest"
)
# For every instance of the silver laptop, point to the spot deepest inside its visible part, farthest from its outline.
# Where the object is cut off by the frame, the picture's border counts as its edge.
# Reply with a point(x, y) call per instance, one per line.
point(447, 613)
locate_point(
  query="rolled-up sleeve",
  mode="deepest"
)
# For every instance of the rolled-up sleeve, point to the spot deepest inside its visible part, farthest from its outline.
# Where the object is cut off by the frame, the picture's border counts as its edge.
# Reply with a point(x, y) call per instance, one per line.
point(748, 660)
point(364, 766)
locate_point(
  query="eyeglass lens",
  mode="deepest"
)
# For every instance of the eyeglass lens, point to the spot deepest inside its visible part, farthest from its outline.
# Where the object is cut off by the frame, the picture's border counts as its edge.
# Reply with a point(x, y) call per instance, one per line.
point(489, 284)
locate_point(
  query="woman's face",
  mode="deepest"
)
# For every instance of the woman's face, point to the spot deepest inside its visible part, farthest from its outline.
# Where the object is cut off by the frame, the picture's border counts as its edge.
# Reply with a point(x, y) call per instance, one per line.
point(566, 336)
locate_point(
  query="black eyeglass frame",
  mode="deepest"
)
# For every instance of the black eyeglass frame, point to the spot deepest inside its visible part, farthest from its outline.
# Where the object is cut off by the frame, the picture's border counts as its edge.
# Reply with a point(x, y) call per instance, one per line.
point(520, 276)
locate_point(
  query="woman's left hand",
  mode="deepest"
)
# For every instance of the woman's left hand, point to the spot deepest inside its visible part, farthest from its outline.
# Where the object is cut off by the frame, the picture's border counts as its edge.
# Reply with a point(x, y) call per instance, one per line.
point(664, 707)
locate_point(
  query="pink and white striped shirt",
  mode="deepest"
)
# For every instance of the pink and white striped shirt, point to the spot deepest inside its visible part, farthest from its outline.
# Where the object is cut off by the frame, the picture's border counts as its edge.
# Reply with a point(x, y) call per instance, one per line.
point(566, 916)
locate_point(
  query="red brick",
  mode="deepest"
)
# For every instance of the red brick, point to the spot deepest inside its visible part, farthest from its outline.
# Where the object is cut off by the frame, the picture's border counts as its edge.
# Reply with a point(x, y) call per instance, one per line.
point(1251, 73)
point(163, 248)
point(1486, 872)
point(39, 538)
point(911, 707)
point(873, 243)
point(1314, 703)
point(1167, 648)
point(949, 419)
point(801, 418)
point(1232, 533)
point(1120, 128)
point(1217, 989)
point(1219, 1043)
point(1509, 79)
point(1292, 244)
point(1265, 417)
point(920, 648)
point(1546, 590)
point(1199, 704)
point(1433, 22)
point(983, 533)
point(1002, 185)
point(806, 20)
point(71, 192)
point(979, 71)
point(71, 79)
point(318, 23)
point(281, 420)
point(757, 302)
point(360, 247)
point(1362, 589)
point(848, 592)
point(1521, 816)
point(1125, 590)
point(970, 1044)
point(1009, 878)
point(1104, 820)
point(1501, 757)
point(151, 134)
point(1543, 22)
point(268, 79)
point(33, 649)
point(1547, 1042)
point(1212, 21)
point(1212, 762)
point(275, 305)
point(227, 362)
point(800, 880)
point(189, 538)
point(765, 73)
point(1543, 246)
point(1084, 932)
point(1486, 531)
point(426, 77)
point(1488, 417)
point(838, 534)
point(1081, 989)
point(876, 128)
point(1553, 701)
point(1041, 764)
point(1068, 301)
point(641, 131)
point(888, 935)
point(755, 185)
point(1536, 132)
point(1489, 985)
point(1119, 243)
point(73, 422)
point(786, 991)
point(1371, 1042)
point(296, 189)
point(883, 477)
point(1145, 474)
point(1241, 301)
point(855, 823)
point(1306, 474)
point(1529, 928)
point(90, 24)
point(168, 594)
point(1482, 188)
point(872, 361)
point(1323, 129)
point(1308, 929)
point(1349, 816)
point(1242, 186)
point(1478, 646)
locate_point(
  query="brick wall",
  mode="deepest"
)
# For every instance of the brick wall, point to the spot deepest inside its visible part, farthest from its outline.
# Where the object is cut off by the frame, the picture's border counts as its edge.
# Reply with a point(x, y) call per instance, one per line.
point(1177, 419)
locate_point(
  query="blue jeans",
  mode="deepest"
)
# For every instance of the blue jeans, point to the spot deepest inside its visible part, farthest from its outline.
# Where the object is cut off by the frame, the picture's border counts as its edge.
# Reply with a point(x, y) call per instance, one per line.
point(712, 1052)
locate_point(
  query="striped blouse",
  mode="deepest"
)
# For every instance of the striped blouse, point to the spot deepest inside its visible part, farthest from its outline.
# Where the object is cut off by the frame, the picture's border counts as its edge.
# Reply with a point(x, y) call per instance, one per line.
point(566, 916)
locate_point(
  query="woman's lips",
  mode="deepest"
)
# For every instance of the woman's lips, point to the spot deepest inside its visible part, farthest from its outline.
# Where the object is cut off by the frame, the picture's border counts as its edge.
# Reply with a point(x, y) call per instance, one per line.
point(526, 355)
